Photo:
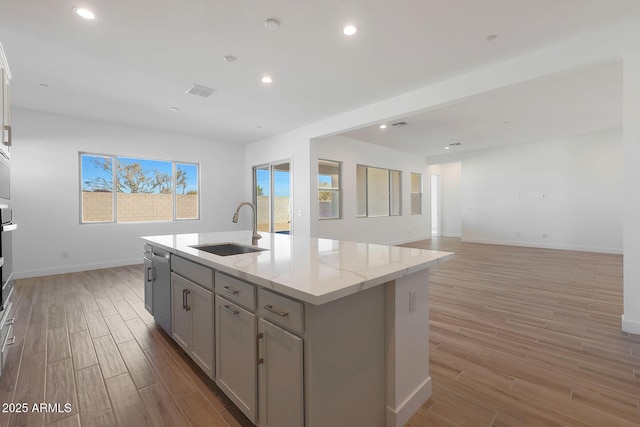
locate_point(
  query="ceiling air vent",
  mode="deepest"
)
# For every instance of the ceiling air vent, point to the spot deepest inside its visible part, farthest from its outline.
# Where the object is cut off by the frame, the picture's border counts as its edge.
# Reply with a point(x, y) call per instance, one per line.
point(455, 144)
point(200, 90)
point(399, 124)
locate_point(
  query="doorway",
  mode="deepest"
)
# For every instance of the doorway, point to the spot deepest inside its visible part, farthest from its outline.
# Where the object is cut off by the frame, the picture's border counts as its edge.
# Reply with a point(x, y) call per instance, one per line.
point(435, 205)
point(272, 197)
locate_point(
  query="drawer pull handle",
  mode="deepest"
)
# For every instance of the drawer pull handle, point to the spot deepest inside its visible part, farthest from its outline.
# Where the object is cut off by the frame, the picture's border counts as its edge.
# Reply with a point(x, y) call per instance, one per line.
point(185, 299)
point(230, 310)
point(259, 360)
point(11, 340)
point(10, 321)
point(274, 311)
point(231, 291)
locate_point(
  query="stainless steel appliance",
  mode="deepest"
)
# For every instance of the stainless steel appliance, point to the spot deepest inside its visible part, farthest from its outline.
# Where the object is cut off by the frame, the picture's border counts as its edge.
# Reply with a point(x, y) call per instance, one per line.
point(4, 180)
point(157, 288)
point(7, 226)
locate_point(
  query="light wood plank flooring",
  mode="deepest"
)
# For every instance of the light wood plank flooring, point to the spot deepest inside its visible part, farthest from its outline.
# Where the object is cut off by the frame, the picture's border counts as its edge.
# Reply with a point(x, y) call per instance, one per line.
point(528, 337)
point(519, 336)
point(85, 340)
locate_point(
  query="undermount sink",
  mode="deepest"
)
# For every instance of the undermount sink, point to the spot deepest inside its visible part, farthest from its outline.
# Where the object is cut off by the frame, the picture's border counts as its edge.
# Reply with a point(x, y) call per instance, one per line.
point(226, 249)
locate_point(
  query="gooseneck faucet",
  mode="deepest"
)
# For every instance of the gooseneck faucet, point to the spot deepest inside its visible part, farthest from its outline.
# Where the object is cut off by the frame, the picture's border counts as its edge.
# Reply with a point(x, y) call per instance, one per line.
point(255, 237)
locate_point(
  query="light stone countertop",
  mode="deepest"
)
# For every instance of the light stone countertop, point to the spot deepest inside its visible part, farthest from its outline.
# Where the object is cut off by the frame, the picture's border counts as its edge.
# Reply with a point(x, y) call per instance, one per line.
point(312, 270)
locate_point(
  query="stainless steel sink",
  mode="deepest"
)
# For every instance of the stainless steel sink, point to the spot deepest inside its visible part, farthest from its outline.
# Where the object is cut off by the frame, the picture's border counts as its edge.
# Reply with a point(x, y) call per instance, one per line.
point(226, 249)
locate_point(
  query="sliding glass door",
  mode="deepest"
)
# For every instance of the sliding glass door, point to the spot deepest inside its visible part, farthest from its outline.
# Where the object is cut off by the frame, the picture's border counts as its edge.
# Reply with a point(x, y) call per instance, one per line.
point(272, 197)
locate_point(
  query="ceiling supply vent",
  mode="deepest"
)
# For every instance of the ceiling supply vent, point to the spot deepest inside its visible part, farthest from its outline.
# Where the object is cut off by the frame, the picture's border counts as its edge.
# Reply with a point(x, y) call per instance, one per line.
point(200, 90)
point(455, 144)
point(399, 124)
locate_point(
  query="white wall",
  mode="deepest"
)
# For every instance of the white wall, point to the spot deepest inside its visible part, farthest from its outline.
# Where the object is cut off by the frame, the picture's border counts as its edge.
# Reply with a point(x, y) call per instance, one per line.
point(45, 191)
point(631, 136)
point(387, 230)
point(569, 190)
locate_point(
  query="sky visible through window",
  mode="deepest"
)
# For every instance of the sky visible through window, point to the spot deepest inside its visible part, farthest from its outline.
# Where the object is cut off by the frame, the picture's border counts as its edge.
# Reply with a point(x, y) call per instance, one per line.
point(281, 182)
point(97, 172)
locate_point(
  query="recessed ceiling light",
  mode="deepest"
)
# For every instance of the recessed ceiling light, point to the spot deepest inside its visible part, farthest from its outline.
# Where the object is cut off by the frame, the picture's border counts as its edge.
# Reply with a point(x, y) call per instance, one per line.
point(230, 58)
point(174, 109)
point(267, 79)
point(349, 30)
point(272, 24)
point(491, 37)
point(383, 126)
point(84, 13)
point(447, 147)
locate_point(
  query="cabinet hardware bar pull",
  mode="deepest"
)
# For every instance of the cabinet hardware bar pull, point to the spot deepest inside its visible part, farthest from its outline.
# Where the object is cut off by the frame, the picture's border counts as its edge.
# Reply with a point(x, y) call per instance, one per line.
point(230, 310)
point(231, 291)
point(11, 340)
point(259, 360)
point(149, 274)
point(8, 141)
point(10, 321)
point(184, 299)
point(187, 307)
point(274, 311)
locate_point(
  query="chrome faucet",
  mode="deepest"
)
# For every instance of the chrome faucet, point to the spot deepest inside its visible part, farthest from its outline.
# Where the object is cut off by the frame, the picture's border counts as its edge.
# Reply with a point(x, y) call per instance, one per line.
point(255, 237)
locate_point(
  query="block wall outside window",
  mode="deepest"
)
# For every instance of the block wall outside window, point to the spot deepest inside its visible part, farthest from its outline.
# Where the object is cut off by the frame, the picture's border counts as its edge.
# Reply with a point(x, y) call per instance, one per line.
point(416, 193)
point(379, 191)
point(137, 189)
point(329, 193)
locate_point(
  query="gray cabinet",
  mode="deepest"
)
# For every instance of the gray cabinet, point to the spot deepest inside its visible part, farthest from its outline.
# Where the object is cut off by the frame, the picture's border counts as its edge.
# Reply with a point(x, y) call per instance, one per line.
point(192, 313)
point(280, 377)
point(236, 355)
point(148, 278)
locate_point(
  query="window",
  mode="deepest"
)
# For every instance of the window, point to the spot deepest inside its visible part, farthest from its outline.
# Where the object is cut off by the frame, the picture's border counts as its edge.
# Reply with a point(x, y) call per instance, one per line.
point(378, 191)
point(125, 189)
point(328, 189)
point(416, 193)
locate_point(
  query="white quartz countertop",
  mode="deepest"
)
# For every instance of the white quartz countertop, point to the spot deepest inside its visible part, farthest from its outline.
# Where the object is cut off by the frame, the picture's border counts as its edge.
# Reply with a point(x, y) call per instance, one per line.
point(312, 270)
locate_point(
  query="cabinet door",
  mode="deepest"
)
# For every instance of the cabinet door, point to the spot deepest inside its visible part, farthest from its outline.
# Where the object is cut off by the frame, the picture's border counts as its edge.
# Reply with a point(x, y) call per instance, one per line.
point(181, 312)
point(148, 285)
point(236, 355)
point(162, 292)
point(201, 302)
point(281, 377)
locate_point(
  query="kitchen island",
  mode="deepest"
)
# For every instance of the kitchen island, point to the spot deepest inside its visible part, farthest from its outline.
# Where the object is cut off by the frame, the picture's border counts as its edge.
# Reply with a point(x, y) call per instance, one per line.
point(305, 332)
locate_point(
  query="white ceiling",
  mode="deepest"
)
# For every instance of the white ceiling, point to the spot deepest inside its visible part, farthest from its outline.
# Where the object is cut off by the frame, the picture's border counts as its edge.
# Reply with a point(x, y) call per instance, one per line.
point(558, 106)
point(138, 57)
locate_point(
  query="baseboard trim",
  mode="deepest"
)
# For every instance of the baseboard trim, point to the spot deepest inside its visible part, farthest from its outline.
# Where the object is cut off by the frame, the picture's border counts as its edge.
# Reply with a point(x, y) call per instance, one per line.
point(614, 251)
point(630, 326)
point(400, 416)
point(74, 268)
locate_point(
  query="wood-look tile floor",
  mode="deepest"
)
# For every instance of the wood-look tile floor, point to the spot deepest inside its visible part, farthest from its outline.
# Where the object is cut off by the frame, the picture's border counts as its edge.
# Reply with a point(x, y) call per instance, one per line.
point(528, 337)
point(84, 340)
point(519, 337)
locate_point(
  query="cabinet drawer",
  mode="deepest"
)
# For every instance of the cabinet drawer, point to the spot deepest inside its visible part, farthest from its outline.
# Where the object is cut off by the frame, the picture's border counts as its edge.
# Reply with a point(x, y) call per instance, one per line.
point(236, 290)
point(197, 273)
point(281, 310)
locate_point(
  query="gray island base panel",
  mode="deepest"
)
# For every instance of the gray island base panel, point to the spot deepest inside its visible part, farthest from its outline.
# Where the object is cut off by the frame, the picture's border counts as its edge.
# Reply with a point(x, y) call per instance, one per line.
point(306, 332)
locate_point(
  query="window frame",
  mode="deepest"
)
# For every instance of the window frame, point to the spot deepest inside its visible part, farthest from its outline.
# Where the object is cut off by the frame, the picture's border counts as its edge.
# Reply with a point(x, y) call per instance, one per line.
point(114, 191)
point(335, 190)
point(392, 197)
point(420, 192)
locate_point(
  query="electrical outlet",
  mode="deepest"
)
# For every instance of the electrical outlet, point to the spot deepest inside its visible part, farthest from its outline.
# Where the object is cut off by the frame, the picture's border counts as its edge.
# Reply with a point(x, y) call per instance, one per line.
point(413, 299)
